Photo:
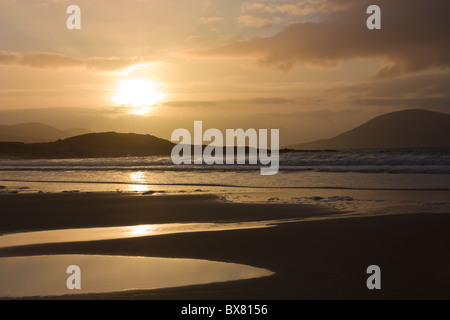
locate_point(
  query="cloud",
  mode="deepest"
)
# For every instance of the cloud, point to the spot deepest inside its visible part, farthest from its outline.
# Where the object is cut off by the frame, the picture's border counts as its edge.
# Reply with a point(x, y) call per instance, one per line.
point(414, 91)
point(256, 7)
point(255, 22)
point(190, 104)
point(414, 37)
point(216, 103)
point(260, 101)
point(435, 84)
point(211, 20)
point(441, 103)
point(300, 8)
point(55, 60)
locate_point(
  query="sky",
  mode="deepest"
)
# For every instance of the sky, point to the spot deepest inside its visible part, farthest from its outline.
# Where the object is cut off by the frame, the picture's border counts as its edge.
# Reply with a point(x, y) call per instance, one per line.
point(310, 68)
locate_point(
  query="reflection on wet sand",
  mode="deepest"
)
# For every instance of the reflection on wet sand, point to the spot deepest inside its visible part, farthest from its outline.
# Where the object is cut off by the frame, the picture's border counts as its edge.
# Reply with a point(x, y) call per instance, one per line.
point(46, 275)
point(109, 233)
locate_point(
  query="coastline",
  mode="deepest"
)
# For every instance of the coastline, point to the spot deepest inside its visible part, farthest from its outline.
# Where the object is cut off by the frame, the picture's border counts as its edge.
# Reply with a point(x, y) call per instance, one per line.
point(324, 259)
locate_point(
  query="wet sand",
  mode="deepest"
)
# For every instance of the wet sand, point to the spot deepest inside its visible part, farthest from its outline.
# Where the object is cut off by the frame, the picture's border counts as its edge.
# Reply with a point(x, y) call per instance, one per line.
point(312, 260)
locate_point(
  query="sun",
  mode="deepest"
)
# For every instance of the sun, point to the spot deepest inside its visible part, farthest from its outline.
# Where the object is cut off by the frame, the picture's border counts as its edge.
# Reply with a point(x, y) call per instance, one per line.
point(138, 94)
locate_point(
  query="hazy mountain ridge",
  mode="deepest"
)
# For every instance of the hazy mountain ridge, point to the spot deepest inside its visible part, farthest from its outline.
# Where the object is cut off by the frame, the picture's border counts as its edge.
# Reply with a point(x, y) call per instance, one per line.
point(403, 129)
point(415, 128)
point(34, 132)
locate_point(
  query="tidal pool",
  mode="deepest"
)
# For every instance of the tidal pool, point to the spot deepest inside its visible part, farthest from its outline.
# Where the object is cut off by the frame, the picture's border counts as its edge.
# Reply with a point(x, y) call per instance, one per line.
point(123, 232)
point(46, 275)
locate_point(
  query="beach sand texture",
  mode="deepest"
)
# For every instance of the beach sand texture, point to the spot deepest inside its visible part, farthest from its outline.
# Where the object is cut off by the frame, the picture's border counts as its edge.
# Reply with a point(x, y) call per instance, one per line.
point(323, 259)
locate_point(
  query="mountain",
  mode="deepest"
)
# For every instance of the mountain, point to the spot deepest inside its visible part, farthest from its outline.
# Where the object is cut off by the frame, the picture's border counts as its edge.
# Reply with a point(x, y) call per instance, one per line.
point(93, 145)
point(403, 129)
point(35, 132)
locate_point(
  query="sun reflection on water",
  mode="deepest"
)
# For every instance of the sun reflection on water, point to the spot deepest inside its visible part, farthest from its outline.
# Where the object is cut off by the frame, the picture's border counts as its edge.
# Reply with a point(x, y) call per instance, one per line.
point(138, 188)
point(138, 177)
point(141, 230)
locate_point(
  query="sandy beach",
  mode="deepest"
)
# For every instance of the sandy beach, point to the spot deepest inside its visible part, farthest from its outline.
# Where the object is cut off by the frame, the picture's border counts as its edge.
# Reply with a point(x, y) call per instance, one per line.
point(324, 259)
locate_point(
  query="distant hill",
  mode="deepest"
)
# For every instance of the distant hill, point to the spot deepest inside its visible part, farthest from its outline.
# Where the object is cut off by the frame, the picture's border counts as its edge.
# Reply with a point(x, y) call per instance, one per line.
point(93, 145)
point(35, 132)
point(403, 129)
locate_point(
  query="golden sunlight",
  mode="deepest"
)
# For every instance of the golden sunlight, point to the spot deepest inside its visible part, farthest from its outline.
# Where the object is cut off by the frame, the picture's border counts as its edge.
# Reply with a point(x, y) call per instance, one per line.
point(138, 94)
point(141, 230)
point(138, 178)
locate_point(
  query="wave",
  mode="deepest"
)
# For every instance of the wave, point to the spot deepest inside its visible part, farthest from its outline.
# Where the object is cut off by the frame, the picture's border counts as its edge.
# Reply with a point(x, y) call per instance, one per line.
point(231, 168)
point(422, 161)
point(224, 185)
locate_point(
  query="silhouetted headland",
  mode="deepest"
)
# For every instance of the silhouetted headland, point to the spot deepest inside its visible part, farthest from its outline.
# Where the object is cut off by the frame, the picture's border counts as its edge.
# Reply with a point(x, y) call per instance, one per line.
point(93, 145)
point(403, 129)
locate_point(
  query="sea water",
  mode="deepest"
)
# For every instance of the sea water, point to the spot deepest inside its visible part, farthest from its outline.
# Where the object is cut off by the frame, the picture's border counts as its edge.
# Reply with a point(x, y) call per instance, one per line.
point(338, 179)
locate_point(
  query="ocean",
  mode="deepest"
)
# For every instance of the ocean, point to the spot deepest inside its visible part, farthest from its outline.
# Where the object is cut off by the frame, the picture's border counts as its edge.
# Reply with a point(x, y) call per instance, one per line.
point(335, 178)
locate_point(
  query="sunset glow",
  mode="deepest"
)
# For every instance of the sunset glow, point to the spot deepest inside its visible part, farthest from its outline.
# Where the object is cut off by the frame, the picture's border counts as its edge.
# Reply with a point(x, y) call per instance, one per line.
point(138, 94)
point(309, 137)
